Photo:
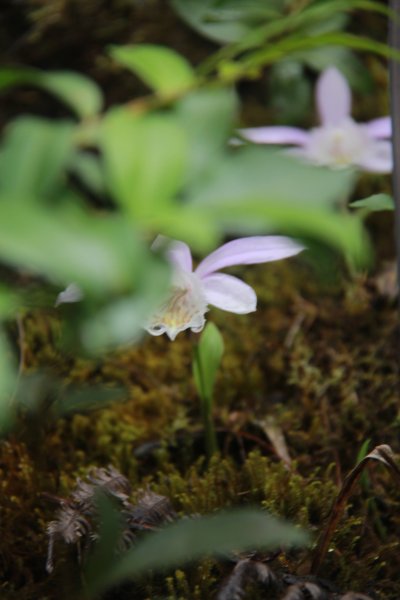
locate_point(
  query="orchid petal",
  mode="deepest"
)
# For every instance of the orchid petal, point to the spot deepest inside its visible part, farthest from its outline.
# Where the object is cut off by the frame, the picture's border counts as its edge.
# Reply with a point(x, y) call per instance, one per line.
point(380, 160)
point(275, 135)
point(333, 97)
point(248, 251)
point(229, 293)
point(178, 253)
point(380, 128)
point(72, 293)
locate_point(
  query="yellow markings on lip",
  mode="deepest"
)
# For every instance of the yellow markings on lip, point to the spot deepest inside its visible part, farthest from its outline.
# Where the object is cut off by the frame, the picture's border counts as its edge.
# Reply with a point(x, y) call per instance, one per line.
point(177, 312)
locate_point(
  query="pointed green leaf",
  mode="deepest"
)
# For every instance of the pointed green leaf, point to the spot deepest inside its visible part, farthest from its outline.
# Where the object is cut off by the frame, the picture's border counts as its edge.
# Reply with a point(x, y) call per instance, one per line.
point(78, 92)
point(70, 245)
point(145, 158)
point(257, 189)
point(192, 539)
point(163, 69)
point(207, 116)
point(33, 155)
point(207, 359)
point(89, 170)
point(124, 320)
point(374, 203)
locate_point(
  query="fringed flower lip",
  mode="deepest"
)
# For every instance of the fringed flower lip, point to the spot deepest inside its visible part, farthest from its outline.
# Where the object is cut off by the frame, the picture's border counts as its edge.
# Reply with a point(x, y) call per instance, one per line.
point(193, 290)
point(339, 141)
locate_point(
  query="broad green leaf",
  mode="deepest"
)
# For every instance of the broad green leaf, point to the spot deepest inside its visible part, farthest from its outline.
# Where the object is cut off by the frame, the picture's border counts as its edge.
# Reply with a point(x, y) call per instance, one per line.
point(144, 160)
point(192, 539)
point(67, 245)
point(207, 115)
point(258, 189)
point(9, 302)
point(78, 92)
point(374, 203)
point(273, 175)
point(124, 320)
point(89, 170)
point(207, 359)
point(191, 225)
point(163, 69)
point(33, 155)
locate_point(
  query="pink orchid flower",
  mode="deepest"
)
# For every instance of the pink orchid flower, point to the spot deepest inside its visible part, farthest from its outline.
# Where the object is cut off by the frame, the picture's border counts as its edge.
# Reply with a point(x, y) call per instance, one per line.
point(339, 141)
point(192, 291)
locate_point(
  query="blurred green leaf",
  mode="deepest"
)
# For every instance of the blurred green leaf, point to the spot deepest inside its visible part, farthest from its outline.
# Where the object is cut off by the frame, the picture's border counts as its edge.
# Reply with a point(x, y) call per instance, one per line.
point(9, 302)
point(78, 92)
point(163, 69)
point(89, 170)
point(144, 161)
point(192, 539)
point(376, 202)
point(192, 225)
point(103, 556)
point(207, 116)
point(80, 400)
point(344, 59)
point(207, 359)
point(124, 320)
point(8, 376)
point(70, 245)
point(33, 154)
point(42, 395)
point(292, 44)
point(286, 81)
point(227, 21)
point(258, 189)
point(271, 174)
point(287, 28)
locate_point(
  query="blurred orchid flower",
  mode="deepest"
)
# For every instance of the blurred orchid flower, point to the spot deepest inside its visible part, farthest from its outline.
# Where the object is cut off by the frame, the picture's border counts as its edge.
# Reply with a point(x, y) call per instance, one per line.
point(72, 293)
point(192, 291)
point(339, 141)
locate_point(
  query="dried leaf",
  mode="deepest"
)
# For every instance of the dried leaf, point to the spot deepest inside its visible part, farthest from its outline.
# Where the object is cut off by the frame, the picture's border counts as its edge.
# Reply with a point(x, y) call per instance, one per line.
point(110, 480)
point(70, 526)
point(151, 510)
point(234, 586)
point(275, 435)
point(305, 591)
point(383, 454)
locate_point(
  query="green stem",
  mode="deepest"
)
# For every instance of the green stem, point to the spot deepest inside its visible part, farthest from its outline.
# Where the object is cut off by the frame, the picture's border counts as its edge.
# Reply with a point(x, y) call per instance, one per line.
point(211, 443)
